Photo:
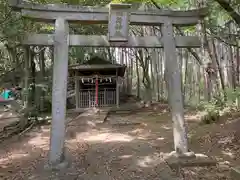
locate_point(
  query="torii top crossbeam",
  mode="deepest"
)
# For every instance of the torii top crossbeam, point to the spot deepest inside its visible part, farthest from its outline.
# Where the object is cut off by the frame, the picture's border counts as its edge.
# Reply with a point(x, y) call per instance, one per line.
point(99, 15)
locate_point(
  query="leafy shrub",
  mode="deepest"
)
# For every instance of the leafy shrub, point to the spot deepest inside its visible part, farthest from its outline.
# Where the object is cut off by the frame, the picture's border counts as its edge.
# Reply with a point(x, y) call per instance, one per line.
point(211, 111)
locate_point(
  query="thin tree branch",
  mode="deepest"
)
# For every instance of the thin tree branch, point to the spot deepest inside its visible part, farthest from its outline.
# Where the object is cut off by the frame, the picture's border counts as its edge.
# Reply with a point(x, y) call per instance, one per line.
point(8, 15)
point(194, 54)
point(227, 7)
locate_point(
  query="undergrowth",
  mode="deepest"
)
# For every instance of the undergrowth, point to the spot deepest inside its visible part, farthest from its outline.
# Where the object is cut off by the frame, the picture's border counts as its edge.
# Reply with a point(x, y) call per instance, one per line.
point(217, 107)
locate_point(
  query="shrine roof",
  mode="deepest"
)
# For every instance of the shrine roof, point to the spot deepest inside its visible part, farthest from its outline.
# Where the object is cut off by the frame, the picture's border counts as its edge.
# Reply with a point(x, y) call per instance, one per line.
point(96, 66)
point(96, 63)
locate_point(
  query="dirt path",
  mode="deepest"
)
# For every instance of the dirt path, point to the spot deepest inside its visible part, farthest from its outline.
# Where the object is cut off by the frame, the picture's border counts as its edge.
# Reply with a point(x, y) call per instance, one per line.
point(126, 147)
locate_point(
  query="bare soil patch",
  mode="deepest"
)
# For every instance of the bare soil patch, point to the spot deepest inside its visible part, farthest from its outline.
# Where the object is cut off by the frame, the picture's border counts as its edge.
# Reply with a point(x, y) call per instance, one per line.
point(114, 150)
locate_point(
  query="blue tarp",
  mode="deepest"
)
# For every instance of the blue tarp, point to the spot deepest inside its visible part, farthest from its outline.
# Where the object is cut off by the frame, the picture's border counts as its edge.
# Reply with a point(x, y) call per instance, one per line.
point(6, 94)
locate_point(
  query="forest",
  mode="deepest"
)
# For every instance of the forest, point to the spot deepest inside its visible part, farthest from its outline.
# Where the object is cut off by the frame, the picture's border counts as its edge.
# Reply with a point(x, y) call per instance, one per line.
point(210, 87)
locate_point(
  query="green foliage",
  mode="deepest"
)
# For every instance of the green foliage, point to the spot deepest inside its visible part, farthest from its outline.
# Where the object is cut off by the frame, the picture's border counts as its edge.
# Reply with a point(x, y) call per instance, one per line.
point(232, 94)
point(211, 110)
point(217, 106)
point(210, 117)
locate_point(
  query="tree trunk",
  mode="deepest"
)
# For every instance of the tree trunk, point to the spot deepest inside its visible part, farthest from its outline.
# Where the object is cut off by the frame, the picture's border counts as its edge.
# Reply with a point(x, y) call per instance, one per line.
point(238, 65)
point(153, 73)
point(161, 75)
point(144, 63)
point(138, 78)
point(33, 77)
point(13, 58)
point(42, 69)
point(219, 70)
point(24, 120)
point(186, 58)
point(237, 73)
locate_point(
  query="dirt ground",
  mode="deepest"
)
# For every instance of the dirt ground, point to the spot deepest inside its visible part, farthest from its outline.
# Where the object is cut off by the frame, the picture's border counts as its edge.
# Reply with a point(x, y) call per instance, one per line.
point(128, 146)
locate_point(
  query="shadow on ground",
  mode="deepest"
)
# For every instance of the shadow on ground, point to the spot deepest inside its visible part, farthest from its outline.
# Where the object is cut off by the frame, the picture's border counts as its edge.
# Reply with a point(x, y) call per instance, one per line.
point(111, 150)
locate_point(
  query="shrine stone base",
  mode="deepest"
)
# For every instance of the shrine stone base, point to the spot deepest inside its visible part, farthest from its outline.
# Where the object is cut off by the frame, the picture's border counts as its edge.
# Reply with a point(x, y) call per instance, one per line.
point(65, 163)
point(190, 159)
point(57, 167)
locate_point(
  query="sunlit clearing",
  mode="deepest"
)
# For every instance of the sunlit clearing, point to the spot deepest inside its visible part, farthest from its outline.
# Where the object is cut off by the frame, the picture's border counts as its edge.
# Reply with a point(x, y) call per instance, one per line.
point(125, 156)
point(150, 161)
point(137, 131)
point(224, 162)
point(166, 127)
point(141, 138)
point(165, 155)
point(106, 137)
point(219, 158)
point(140, 133)
point(173, 153)
point(45, 118)
point(45, 129)
point(160, 138)
point(201, 155)
point(225, 140)
point(6, 115)
point(89, 112)
point(192, 117)
point(230, 154)
point(40, 142)
point(12, 156)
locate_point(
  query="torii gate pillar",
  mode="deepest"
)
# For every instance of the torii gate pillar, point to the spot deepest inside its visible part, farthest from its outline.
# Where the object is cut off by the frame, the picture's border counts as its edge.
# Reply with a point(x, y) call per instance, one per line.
point(59, 92)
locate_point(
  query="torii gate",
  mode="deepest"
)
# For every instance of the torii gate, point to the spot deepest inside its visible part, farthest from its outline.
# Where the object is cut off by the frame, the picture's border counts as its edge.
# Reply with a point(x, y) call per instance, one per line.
point(118, 17)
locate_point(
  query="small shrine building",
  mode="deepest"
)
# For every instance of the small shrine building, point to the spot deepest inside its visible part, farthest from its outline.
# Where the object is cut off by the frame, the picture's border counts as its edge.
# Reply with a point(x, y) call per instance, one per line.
point(97, 83)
